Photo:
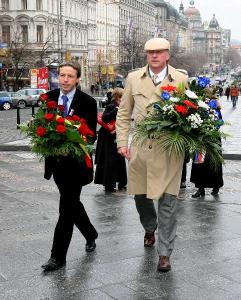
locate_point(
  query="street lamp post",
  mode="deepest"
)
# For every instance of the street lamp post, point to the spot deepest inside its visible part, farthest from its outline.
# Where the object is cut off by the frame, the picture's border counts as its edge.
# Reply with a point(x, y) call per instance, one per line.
point(106, 41)
point(60, 30)
point(107, 2)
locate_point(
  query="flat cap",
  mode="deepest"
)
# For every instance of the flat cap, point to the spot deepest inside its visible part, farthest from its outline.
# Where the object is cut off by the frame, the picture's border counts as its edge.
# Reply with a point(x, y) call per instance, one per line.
point(157, 44)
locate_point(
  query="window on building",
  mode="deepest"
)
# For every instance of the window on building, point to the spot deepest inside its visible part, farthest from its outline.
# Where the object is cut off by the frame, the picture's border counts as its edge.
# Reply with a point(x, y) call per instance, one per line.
point(39, 34)
point(5, 4)
point(24, 4)
point(39, 4)
point(24, 33)
point(6, 34)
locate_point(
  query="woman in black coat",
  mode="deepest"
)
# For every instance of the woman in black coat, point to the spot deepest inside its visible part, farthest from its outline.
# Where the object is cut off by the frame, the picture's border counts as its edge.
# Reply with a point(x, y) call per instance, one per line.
point(110, 166)
point(202, 174)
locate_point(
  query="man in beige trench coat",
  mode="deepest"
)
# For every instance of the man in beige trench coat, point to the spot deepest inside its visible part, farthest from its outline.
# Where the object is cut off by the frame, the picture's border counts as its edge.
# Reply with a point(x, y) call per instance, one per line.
point(153, 174)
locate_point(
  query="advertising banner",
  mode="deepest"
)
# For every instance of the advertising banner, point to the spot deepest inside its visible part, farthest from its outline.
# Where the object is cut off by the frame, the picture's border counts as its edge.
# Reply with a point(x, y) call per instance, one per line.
point(111, 70)
point(53, 78)
point(43, 76)
point(103, 70)
point(34, 78)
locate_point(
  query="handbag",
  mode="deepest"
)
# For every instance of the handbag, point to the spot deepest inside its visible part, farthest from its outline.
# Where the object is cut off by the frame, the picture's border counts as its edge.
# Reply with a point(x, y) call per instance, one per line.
point(110, 126)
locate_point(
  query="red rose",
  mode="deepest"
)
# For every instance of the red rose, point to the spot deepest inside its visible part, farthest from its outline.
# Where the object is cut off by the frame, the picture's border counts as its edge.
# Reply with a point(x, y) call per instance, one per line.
point(76, 118)
point(60, 120)
point(84, 130)
point(82, 121)
point(60, 129)
point(60, 107)
point(43, 97)
point(190, 104)
point(49, 117)
point(69, 118)
point(181, 109)
point(168, 88)
point(88, 161)
point(41, 131)
point(51, 104)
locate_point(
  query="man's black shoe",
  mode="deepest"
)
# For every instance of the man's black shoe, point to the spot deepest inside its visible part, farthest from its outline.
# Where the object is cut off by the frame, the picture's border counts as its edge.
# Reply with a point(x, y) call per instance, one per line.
point(215, 191)
point(110, 190)
point(53, 264)
point(121, 188)
point(90, 246)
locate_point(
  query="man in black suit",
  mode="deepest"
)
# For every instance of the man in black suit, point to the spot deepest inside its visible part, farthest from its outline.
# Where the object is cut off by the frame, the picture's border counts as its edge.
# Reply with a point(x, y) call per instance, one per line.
point(68, 173)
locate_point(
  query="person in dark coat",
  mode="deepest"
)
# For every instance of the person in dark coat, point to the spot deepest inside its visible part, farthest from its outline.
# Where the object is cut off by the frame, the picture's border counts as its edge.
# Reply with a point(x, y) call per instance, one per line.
point(202, 174)
point(227, 92)
point(110, 166)
point(70, 174)
point(184, 172)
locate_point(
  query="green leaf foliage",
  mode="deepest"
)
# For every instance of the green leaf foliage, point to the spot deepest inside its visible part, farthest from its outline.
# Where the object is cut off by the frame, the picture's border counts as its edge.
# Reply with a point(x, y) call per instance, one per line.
point(182, 125)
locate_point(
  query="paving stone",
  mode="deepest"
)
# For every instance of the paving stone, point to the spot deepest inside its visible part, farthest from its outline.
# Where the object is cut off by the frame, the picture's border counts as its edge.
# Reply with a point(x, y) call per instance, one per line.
point(205, 263)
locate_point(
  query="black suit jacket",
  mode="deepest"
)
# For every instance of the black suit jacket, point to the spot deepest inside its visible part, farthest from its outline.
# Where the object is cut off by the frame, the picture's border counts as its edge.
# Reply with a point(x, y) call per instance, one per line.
point(85, 107)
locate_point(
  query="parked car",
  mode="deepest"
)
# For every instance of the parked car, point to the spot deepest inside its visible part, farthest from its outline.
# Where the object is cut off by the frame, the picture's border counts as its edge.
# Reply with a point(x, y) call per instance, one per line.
point(20, 100)
point(5, 101)
point(101, 101)
point(33, 94)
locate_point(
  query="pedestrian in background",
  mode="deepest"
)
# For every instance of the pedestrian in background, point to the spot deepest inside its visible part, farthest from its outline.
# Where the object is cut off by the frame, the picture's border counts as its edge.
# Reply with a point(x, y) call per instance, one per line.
point(227, 92)
point(97, 88)
point(234, 93)
point(153, 174)
point(92, 88)
point(109, 95)
point(110, 165)
point(68, 173)
point(184, 172)
point(220, 91)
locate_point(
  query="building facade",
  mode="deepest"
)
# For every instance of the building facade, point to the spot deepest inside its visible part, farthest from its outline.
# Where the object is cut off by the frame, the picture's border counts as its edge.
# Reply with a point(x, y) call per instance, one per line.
point(104, 36)
point(172, 25)
point(137, 25)
point(89, 61)
point(214, 47)
point(54, 30)
point(193, 16)
point(107, 42)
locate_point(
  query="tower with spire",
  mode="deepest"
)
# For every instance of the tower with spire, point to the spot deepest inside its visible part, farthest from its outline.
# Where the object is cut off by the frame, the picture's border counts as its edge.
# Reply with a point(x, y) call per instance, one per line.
point(181, 8)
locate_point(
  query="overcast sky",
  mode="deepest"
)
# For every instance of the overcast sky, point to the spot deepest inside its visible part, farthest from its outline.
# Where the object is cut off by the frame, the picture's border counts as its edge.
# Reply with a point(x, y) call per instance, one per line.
point(227, 12)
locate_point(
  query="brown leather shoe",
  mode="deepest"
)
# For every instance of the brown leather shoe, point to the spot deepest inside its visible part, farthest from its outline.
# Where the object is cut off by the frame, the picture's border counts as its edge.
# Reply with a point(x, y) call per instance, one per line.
point(164, 264)
point(149, 239)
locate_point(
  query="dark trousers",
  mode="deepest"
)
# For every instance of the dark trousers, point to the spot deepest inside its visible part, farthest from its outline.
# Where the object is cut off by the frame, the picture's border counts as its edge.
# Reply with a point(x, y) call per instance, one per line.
point(184, 171)
point(71, 212)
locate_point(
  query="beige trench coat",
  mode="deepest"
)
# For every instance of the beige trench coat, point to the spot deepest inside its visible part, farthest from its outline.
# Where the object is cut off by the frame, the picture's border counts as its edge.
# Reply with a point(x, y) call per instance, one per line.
point(151, 171)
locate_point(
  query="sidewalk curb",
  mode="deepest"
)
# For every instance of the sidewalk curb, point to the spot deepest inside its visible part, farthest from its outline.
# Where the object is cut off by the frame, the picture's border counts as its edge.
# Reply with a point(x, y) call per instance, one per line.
point(14, 148)
point(230, 156)
point(6, 147)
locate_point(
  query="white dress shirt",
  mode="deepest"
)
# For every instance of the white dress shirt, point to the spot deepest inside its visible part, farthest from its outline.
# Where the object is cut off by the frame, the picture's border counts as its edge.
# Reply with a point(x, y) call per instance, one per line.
point(160, 76)
point(70, 96)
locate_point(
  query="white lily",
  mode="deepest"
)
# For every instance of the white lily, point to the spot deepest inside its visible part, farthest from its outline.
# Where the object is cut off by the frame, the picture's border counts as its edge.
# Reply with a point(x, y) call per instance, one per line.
point(174, 99)
point(203, 104)
point(191, 94)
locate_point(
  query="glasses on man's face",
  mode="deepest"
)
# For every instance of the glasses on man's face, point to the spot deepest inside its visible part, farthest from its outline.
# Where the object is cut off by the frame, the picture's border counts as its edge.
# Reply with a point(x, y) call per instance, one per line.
point(155, 52)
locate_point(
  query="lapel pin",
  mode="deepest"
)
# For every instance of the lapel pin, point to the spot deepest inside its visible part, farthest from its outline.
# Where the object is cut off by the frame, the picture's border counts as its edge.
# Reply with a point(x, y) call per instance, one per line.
point(71, 112)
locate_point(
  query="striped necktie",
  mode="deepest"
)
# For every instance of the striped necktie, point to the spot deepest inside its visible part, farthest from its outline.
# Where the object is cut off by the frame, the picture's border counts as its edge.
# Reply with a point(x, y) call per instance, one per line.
point(154, 78)
point(65, 101)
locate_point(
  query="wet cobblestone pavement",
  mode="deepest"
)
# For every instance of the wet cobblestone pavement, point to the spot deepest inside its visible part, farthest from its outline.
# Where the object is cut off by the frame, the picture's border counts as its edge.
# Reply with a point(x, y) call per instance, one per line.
point(206, 261)
point(8, 124)
point(12, 139)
